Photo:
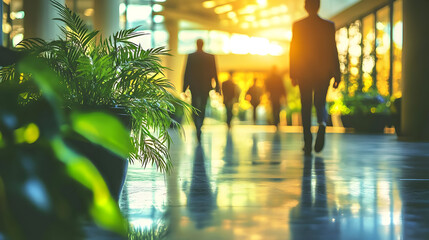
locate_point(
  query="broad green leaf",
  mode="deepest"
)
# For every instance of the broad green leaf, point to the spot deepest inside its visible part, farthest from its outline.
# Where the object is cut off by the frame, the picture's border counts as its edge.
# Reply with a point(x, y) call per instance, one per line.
point(45, 78)
point(103, 129)
point(104, 210)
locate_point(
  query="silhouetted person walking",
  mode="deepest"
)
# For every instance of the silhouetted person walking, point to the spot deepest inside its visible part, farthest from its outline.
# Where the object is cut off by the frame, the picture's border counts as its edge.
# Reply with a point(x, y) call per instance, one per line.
point(230, 94)
point(199, 72)
point(276, 89)
point(313, 62)
point(255, 93)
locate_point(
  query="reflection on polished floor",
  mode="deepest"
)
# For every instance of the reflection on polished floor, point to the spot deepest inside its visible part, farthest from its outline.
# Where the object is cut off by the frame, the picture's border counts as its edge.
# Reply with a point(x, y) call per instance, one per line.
point(254, 183)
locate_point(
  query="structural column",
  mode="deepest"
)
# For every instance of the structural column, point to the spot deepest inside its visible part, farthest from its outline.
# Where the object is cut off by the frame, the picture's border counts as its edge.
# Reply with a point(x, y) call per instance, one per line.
point(1, 24)
point(173, 62)
point(415, 100)
point(106, 16)
point(38, 20)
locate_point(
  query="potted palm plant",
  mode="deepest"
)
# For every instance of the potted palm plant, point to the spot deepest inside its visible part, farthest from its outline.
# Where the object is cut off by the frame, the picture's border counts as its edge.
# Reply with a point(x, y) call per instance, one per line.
point(110, 74)
point(47, 189)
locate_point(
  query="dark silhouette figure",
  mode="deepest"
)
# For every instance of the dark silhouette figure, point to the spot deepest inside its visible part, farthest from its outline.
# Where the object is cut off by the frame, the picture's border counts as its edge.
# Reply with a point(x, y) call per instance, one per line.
point(201, 199)
point(276, 89)
point(254, 94)
point(311, 219)
point(199, 73)
point(230, 94)
point(230, 156)
point(313, 62)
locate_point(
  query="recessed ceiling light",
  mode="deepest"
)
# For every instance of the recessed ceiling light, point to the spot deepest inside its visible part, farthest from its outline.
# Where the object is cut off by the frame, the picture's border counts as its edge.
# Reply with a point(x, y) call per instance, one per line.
point(223, 9)
point(209, 4)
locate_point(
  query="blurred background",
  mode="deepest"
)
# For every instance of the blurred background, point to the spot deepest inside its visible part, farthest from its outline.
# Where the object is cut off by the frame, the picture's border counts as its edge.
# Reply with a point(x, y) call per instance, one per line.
point(248, 37)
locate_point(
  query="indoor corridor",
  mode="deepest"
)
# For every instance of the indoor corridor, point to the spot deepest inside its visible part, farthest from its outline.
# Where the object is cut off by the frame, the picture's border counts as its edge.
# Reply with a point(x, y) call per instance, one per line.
point(254, 183)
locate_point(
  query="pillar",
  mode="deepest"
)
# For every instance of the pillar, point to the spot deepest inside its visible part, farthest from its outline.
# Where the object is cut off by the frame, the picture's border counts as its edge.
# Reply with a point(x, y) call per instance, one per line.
point(106, 16)
point(38, 20)
point(172, 62)
point(1, 24)
point(415, 100)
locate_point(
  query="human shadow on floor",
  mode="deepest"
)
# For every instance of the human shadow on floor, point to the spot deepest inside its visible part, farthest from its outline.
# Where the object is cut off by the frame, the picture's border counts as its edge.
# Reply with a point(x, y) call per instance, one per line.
point(229, 153)
point(201, 199)
point(270, 154)
point(311, 219)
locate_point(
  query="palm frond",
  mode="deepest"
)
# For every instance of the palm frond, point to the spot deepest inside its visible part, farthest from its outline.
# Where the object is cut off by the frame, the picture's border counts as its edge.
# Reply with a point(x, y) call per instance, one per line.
point(111, 71)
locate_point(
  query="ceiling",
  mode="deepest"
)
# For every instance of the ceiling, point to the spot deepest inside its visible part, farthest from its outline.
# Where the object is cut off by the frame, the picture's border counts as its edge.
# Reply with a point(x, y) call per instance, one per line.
point(268, 18)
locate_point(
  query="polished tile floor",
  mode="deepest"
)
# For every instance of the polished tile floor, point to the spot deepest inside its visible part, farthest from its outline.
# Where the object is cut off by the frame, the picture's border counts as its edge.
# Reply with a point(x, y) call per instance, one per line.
point(254, 183)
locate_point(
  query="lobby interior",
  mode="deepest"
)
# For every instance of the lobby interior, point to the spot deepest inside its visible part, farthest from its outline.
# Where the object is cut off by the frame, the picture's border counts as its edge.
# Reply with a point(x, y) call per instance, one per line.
point(253, 181)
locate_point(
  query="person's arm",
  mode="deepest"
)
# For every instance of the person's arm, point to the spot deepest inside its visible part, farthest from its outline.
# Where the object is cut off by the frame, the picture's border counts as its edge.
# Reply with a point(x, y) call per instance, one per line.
point(335, 59)
point(214, 69)
point(187, 76)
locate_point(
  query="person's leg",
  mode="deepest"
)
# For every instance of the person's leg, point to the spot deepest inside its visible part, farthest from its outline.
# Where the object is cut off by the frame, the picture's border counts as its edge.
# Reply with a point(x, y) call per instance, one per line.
point(322, 115)
point(199, 102)
point(228, 107)
point(306, 104)
point(254, 113)
point(275, 103)
point(320, 103)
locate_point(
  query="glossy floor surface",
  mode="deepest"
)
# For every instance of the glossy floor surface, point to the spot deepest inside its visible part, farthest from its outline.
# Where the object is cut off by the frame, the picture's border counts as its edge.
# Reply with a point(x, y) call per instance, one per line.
point(254, 183)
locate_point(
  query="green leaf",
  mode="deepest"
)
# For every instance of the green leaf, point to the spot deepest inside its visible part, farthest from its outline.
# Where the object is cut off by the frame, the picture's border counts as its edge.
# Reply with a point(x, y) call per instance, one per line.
point(46, 79)
point(103, 129)
point(104, 209)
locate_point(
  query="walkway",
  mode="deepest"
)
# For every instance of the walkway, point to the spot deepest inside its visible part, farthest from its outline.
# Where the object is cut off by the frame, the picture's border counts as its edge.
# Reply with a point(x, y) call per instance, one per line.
point(254, 183)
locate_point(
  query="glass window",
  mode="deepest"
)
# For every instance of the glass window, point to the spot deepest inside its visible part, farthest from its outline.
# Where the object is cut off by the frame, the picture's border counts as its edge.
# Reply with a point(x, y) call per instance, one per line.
point(343, 46)
point(218, 42)
point(139, 15)
point(354, 54)
point(187, 40)
point(383, 50)
point(397, 49)
point(368, 52)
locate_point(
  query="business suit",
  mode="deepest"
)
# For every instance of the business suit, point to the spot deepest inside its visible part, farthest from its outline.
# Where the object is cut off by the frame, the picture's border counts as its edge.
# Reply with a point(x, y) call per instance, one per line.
point(199, 72)
point(313, 62)
point(230, 94)
point(275, 87)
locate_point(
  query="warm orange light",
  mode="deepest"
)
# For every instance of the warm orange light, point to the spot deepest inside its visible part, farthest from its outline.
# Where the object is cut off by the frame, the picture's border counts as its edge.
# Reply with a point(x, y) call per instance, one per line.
point(250, 18)
point(289, 35)
point(275, 20)
point(232, 15)
point(88, 12)
point(397, 34)
point(264, 23)
point(286, 19)
point(223, 9)
point(249, 9)
point(209, 4)
point(283, 8)
point(262, 3)
point(245, 25)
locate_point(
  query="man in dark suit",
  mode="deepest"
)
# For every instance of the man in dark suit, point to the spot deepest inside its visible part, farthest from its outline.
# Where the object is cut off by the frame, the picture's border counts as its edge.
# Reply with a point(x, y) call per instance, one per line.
point(276, 89)
point(199, 72)
point(313, 62)
point(230, 92)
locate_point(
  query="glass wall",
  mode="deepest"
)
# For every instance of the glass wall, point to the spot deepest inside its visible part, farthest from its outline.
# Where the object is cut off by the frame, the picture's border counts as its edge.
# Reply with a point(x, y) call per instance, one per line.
point(342, 39)
point(144, 14)
point(370, 52)
point(382, 50)
point(368, 60)
point(397, 49)
point(354, 54)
